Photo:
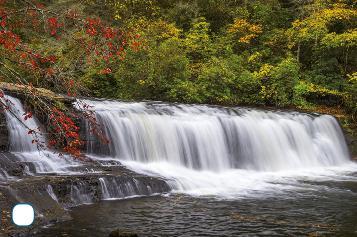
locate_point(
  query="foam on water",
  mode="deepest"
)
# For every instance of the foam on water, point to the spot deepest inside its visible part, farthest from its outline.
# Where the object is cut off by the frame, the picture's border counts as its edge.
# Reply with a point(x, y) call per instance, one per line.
point(236, 183)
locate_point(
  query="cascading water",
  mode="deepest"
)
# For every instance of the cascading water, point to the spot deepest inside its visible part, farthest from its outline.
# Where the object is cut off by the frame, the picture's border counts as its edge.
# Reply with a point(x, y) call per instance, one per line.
point(39, 161)
point(80, 195)
point(50, 192)
point(21, 144)
point(210, 150)
point(113, 188)
point(17, 130)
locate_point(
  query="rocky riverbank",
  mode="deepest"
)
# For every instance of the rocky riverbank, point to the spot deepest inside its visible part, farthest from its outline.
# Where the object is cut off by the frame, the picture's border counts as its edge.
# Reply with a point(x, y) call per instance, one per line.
point(52, 195)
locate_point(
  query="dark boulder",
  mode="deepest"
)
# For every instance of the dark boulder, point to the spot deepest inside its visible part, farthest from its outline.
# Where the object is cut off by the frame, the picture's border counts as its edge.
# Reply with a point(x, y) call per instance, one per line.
point(4, 136)
point(122, 233)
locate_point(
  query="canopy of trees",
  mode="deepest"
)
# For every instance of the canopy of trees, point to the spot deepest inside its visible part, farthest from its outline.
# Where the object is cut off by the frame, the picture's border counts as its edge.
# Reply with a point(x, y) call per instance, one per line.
point(280, 53)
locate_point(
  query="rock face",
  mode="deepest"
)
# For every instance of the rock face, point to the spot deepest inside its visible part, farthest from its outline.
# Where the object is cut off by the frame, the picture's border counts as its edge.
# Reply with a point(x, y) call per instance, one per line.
point(4, 136)
point(9, 166)
point(351, 140)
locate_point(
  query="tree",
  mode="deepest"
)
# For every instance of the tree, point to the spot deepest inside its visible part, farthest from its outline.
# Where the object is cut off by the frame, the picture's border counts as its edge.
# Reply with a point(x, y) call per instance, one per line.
point(42, 47)
point(198, 41)
point(327, 27)
point(278, 82)
point(242, 33)
point(271, 52)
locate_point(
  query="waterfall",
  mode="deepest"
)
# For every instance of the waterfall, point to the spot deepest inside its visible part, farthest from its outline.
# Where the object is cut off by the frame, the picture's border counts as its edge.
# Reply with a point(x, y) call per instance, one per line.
point(196, 149)
point(79, 183)
point(22, 145)
point(20, 140)
point(112, 188)
point(80, 194)
point(50, 192)
point(104, 188)
point(216, 139)
point(204, 147)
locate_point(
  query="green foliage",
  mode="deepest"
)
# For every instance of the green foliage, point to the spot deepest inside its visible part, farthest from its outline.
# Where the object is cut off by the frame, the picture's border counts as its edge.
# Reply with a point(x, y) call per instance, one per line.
point(183, 14)
point(226, 81)
point(247, 89)
point(280, 53)
point(216, 81)
point(351, 98)
point(131, 75)
point(242, 33)
point(185, 91)
point(279, 82)
point(198, 42)
point(102, 85)
point(172, 69)
point(307, 93)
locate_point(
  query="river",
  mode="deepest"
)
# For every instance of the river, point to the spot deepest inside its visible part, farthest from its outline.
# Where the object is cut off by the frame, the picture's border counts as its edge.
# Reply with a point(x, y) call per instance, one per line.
point(325, 206)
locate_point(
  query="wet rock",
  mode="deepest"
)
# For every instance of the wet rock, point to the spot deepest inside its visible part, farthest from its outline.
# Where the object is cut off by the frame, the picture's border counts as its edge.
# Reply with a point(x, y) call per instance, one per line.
point(122, 233)
point(4, 136)
point(351, 141)
point(10, 166)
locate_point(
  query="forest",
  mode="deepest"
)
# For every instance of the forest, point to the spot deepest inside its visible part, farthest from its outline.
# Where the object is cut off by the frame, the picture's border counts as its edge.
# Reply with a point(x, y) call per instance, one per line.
point(279, 53)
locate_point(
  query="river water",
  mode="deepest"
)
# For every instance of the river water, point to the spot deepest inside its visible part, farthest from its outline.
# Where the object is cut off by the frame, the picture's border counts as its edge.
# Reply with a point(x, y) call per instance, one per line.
point(324, 206)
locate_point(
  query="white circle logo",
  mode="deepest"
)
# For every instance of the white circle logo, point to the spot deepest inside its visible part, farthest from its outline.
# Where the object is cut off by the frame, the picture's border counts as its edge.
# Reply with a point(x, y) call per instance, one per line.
point(23, 214)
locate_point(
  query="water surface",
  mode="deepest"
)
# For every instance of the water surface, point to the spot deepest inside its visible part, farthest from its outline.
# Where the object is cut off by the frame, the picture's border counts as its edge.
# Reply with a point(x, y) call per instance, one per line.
point(320, 207)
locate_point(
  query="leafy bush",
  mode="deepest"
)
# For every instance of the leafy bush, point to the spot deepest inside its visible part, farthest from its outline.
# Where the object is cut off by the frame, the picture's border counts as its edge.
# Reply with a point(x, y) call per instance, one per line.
point(308, 92)
point(278, 82)
point(351, 98)
point(216, 81)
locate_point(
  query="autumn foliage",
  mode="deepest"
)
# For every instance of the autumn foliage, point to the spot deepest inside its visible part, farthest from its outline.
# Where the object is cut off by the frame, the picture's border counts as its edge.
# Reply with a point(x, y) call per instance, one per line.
point(26, 23)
